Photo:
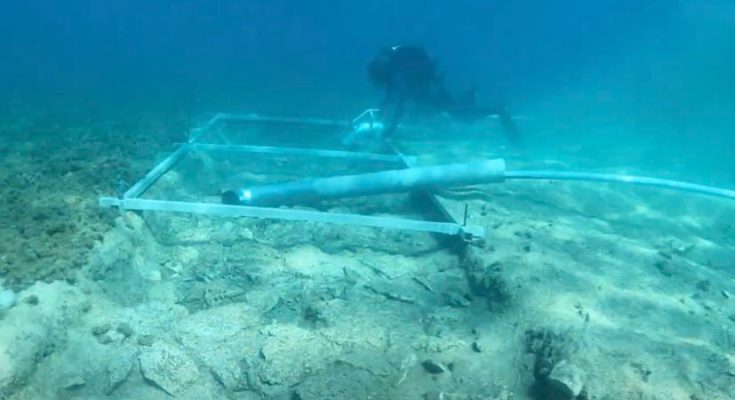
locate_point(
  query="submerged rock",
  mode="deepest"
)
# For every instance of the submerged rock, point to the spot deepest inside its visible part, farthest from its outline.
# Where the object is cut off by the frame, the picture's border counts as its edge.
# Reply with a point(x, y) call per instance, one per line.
point(100, 329)
point(104, 339)
point(34, 334)
point(433, 367)
point(32, 300)
point(73, 382)
point(341, 381)
point(566, 380)
point(168, 367)
point(125, 329)
point(477, 347)
point(439, 395)
point(232, 375)
point(117, 372)
point(279, 365)
point(146, 340)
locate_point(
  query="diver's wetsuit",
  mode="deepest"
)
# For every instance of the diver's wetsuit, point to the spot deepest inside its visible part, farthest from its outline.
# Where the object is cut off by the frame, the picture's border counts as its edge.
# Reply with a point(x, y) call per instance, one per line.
point(409, 73)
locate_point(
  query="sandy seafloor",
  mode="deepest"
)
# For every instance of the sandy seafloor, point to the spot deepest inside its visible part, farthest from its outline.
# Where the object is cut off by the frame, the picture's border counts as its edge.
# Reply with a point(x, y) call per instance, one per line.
point(607, 291)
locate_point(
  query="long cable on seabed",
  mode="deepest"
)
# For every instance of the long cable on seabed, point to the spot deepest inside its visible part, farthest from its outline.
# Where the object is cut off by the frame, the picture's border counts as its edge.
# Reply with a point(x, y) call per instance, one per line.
point(616, 178)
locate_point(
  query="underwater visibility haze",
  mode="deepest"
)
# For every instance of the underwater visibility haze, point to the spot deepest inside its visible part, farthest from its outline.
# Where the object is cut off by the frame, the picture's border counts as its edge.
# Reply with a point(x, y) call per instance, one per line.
point(380, 199)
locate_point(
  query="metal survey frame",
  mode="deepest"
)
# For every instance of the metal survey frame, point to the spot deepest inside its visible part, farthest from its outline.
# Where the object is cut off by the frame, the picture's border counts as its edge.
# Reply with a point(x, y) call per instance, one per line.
point(130, 200)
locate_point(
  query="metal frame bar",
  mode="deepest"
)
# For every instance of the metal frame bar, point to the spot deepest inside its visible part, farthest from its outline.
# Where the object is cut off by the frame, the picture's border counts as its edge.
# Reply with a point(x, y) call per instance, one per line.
point(131, 201)
point(446, 228)
point(200, 131)
point(153, 175)
point(284, 120)
point(293, 151)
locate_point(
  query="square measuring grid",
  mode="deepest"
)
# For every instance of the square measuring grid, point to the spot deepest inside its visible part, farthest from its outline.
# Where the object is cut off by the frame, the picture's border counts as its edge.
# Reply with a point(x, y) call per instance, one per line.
point(132, 199)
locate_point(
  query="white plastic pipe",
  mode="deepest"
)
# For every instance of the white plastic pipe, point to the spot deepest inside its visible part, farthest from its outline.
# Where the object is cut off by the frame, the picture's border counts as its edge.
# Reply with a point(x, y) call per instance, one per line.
point(391, 181)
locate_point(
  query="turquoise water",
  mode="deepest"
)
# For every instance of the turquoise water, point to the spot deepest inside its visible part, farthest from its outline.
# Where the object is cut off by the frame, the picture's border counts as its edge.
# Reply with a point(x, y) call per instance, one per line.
point(577, 290)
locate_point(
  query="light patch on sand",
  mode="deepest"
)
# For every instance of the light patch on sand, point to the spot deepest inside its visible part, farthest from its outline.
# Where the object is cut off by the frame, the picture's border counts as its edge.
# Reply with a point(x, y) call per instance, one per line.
point(663, 332)
point(310, 260)
point(668, 300)
point(565, 229)
point(390, 266)
point(599, 319)
point(646, 390)
point(701, 242)
point(187, 255)
point(643, 209)
point(730, 359)
point(304, 258)
point(563, 307)
point(690, 220)
point(7, 366)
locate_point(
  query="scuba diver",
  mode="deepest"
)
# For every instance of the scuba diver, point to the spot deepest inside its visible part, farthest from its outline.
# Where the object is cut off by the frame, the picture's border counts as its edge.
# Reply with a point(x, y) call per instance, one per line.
point(407, 73)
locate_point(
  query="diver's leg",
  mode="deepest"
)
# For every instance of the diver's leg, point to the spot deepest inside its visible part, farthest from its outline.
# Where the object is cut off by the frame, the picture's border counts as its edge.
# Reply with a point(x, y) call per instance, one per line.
point(509, 126)
point(390, 129)
point(441, 99)
point(474, 113)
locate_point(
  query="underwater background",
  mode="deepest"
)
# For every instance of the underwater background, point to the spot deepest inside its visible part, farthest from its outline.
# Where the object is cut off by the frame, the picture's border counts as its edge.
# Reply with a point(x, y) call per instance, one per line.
point(659, 71)
point(586, 291)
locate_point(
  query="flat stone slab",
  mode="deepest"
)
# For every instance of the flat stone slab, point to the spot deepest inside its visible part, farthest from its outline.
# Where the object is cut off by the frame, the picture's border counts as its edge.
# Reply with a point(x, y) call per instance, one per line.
point(168, 367)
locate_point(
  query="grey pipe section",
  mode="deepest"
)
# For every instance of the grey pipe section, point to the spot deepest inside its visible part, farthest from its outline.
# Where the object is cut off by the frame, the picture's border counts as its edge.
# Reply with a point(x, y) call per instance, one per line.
point(391, 181)
point(444, 175)
point(613, 178)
